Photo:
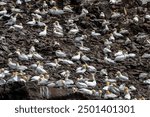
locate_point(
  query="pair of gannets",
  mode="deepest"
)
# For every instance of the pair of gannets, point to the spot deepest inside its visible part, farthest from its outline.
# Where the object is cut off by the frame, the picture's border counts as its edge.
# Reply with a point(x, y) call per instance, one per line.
point(78, 57)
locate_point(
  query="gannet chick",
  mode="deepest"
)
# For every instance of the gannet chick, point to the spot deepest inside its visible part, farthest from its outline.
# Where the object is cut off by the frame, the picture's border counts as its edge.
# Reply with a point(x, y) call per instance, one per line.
point(11, 64)
point(37, 56)
point(55, 64)
point(68, 8)
point(107, 50)
point(111, 38)
point(94, 34)
point(44, 32)
point(109, 60)
point(58, 33)
point(83, 48)
point(91, 83)
point(22, 56)
point(65, 61)
point(136, 18)
point(4, 11)
point(121, 77)
point(73, 31)
point(81, 70)
point(109, 95)
point(40, 69)
point(116, 34)
point(127, 93)
point(79, 39)
point(76, 57)
point(60, 54)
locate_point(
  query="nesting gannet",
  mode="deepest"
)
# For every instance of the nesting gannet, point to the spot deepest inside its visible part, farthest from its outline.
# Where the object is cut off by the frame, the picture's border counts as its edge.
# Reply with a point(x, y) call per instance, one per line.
point(21, 67)
point(121, 57)
point(19, 2)
point(105, 88)
point(60, 53)
point(147, 81)
point(56, 11)
point(136, 18)
point(107, 42)
point(116, 34)
point(81, 70)
point(37, 16)
point(32, 49)
point(102, 15)
point(21, 55)
point(37, 56)
point(57, 33)
point(110, 80)
point(86, 91)
point(79, 39)
point(121, 77)
point(146, 55)
point(4, 11)
point(57, 26)
point(17, 27)
point(103, 72)
point(85, 58)
point(109, 95)
point(124, 31)
point(44, 32)
point(112, 38)
point(45, 5)
point(132, 88)
point(84, 12)
point(53, 64)
point(94, 34)
point(114, 1)
point(73, 30)
point(14, 77)
point(147, 17)
point(127, 93)
point(68, 8)
point(16, 10)
point(114, 89)
point(52, 2)
point(42, 80)
point(66, 61)
point(122, 87)
point(35, 78)
point(90, 68)
point(67, 81)
point(107, 50)
point(109, 60)
point(11, 64)
point(40, 24)
point(83, 48)
point(115, 15)
point(2, 3)
point(76, 57)
point(12, 20)
point(40, 69)
point(91, 83)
